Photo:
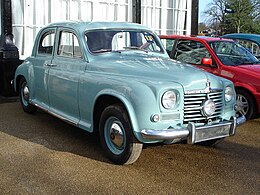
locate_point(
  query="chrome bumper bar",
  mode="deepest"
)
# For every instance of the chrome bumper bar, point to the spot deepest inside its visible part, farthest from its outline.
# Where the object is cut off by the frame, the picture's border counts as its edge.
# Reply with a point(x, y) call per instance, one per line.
point(195, 134)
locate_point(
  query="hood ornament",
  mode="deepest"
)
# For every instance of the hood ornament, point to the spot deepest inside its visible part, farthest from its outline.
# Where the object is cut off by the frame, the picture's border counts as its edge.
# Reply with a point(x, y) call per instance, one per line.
point(207, 89)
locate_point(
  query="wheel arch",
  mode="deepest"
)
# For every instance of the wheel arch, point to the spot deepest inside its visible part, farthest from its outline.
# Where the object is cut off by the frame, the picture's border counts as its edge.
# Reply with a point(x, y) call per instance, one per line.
point(17, 82)
point(105, 100)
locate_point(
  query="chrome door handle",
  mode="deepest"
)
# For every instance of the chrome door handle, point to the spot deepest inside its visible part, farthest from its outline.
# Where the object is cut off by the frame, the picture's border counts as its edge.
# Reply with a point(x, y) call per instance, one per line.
point(51, 65)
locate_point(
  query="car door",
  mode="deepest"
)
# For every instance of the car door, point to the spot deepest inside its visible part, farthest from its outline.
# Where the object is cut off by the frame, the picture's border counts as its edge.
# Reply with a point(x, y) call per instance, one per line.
point(41, 65)
point(67, 66)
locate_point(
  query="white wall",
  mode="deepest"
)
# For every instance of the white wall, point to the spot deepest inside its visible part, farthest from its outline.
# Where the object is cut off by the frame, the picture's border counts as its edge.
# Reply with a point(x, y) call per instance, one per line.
point(164, 16)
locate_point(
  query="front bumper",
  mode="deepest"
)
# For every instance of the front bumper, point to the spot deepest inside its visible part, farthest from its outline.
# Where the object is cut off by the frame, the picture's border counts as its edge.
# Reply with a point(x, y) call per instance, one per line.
point(195, 134)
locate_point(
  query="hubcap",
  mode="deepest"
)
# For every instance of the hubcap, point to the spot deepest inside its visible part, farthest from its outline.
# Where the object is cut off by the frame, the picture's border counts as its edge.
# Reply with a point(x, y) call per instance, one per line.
point(116, 135)
point(242, 104)
point(26, 93)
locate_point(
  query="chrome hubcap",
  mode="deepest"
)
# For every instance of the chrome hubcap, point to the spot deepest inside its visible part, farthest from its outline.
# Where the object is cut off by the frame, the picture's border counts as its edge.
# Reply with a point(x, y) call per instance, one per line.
point(26, 93)
point(242, 104)
point(116, 135)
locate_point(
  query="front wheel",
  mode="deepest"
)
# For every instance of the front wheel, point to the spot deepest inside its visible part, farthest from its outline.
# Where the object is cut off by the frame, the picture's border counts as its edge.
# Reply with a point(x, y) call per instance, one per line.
point(116, 136)
point(246, 104)
point(24, 94)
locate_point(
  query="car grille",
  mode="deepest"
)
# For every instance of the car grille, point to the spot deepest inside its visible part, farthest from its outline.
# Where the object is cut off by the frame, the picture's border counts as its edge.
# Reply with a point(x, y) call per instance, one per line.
point(193, 107)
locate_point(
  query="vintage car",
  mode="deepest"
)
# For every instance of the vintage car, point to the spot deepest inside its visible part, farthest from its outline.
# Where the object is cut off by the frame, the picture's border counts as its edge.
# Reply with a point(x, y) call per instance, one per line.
point(225, 58)
point(117, 79)
point(249, 41)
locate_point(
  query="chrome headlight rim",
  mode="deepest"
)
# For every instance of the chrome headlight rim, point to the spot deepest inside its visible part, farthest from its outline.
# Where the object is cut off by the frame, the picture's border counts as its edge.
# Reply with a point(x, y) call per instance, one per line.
point(229, 94)
point(169, 99)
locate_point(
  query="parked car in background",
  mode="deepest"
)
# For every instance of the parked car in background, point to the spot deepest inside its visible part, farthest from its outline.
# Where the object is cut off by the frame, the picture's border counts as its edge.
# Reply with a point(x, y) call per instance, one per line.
point(224, 58)
point(249, 41)
point(117, 79)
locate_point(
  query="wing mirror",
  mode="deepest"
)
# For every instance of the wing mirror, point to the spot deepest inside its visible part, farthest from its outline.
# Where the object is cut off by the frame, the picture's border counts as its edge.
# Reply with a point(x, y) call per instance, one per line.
point(206, 61)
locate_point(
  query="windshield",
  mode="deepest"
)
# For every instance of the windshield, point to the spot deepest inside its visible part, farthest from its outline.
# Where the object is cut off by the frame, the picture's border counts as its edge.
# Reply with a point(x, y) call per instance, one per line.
point(101, 41)
point(232, 53)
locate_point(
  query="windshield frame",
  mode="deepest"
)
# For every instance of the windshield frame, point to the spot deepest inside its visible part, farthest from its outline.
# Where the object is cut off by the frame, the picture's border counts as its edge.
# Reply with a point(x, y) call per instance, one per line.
point(107, 37)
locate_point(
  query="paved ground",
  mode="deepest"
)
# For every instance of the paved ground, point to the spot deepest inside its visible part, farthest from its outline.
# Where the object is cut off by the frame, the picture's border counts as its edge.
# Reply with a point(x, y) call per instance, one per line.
point(42, 155)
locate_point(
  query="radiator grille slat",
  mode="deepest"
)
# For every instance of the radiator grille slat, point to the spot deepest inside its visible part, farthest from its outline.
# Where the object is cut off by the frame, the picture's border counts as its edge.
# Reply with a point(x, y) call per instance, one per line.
point(193, 106)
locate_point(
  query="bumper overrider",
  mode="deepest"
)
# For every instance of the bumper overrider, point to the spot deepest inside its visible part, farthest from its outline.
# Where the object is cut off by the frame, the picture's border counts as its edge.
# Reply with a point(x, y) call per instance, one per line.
point(195, 134)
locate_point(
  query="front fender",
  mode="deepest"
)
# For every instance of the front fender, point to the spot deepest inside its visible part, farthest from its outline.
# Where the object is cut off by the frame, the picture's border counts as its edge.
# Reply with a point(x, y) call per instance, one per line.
point(142, 100)
point(246, 86)
point(139, 101)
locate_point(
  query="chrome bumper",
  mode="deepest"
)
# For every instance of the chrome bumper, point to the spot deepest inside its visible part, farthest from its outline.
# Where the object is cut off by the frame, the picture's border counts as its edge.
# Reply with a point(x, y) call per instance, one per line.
point(195, 134)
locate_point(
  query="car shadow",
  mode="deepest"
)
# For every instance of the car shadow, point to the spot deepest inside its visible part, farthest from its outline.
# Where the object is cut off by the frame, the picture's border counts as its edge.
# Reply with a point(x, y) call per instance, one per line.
point(49, 131)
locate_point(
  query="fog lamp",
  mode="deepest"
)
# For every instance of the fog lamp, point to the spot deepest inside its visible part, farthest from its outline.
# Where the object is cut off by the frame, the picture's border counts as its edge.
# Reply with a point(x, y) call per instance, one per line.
point(209, 107)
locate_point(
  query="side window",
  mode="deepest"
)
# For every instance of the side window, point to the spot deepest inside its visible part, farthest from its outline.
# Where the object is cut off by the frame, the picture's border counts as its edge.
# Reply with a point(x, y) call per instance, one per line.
point(168, 44)
point(69, 45)
point(46, 43)
point(251, 46)
point(191, 52)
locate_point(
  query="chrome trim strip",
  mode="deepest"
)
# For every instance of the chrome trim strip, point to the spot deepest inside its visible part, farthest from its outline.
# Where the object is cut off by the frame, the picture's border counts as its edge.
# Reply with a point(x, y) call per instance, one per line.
point(233, 126)
point(56, 115)
point(165, 134)
point(206, 90)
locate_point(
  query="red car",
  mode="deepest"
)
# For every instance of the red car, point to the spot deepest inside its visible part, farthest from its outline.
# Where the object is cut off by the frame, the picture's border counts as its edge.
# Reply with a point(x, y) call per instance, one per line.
point(225, 58)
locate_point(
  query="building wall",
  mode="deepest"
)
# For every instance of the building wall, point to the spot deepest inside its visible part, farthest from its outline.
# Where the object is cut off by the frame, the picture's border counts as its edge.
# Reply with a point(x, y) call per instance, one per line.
point(163, 16)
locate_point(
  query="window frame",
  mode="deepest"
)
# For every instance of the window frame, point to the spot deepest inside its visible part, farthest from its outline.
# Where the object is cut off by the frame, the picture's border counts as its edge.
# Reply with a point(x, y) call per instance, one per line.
point(74, 35)
point(42, 36)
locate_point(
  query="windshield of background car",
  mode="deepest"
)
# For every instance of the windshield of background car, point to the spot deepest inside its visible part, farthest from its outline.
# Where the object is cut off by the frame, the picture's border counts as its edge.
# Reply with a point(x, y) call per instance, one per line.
point(232, 53)
point(117, 40)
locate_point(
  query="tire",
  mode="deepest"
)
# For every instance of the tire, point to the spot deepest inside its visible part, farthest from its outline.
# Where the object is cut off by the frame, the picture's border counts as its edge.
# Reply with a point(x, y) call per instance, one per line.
point(211, 142)
point(24, 95)
point(116, 136)
point(246, 104)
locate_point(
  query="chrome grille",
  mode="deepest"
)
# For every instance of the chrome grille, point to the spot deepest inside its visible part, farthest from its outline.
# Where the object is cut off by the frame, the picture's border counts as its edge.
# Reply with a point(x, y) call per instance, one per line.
point(193, 106)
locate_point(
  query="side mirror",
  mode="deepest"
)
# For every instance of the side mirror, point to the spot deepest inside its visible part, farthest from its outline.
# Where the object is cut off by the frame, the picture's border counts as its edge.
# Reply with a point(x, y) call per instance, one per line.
point(206, 61)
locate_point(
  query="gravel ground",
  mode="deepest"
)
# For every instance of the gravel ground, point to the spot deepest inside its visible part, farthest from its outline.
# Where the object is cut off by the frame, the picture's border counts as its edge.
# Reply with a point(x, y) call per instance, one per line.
point(40, 154)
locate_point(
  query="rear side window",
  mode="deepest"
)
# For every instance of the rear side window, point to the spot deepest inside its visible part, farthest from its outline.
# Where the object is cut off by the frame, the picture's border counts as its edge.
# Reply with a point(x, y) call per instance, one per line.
point(69, 45)
point(46, 43)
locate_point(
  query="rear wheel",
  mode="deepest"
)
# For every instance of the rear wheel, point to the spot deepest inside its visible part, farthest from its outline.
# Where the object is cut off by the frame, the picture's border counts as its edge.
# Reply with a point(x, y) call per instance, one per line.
point(116, 136)
point(24, 95)
point(246, 104)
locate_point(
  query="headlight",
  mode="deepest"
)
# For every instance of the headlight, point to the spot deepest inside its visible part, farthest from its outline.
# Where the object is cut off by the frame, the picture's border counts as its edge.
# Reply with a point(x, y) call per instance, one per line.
point(229, 93)
point(169, 99)
point(209, 107)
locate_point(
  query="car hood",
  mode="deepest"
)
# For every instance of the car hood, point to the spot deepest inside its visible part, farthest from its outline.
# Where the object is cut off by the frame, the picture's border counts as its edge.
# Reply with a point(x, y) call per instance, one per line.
point(149, 68)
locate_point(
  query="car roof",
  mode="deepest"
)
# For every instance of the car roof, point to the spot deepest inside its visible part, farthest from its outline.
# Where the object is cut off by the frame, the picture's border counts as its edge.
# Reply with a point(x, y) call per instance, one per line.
point(195, 38)
point(246, 36)
point(83, 25)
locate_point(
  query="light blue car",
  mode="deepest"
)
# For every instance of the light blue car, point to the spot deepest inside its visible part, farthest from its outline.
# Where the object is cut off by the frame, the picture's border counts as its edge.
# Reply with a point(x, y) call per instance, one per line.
point(117, 79)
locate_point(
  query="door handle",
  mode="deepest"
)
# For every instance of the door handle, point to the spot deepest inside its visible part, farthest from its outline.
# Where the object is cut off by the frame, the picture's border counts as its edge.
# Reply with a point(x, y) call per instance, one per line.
point(50, 65)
